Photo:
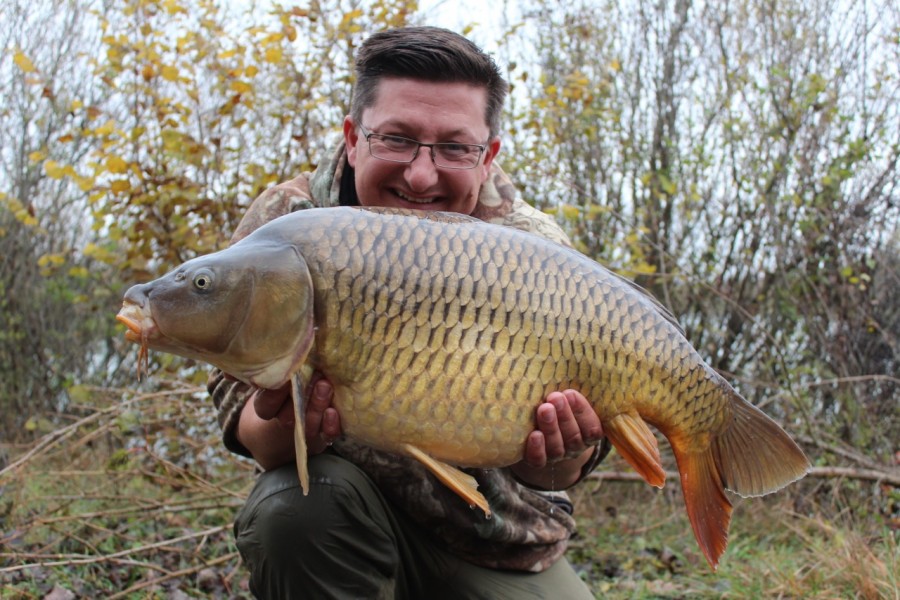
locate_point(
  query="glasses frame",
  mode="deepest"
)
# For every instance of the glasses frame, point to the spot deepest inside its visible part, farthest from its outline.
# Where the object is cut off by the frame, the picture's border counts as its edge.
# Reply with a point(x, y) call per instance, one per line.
point(368, 135)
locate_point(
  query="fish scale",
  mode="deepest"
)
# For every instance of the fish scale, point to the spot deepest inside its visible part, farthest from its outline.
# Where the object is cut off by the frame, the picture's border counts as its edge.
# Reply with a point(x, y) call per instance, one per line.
point(441, 335)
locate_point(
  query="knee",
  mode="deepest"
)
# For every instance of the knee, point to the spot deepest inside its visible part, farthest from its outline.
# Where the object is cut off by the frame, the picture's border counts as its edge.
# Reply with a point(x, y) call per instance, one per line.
point(339, 537)
point(342, 501)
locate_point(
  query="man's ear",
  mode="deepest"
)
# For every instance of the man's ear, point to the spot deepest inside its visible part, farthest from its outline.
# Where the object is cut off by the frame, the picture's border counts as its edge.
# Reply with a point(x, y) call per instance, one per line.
point(351, 139)
point(490, 153)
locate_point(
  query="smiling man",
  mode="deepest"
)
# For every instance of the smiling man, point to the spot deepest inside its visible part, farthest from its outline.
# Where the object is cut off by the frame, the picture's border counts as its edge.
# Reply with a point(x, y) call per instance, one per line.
point(393, 170)
point(423, 133)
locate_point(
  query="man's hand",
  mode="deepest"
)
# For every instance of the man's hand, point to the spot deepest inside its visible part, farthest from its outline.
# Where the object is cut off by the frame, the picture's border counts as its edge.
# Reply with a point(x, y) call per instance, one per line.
point(266, 425)
point(563, 442)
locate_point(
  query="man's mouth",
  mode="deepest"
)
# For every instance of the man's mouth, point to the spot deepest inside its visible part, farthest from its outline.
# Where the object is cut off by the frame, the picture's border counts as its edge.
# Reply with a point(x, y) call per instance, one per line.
point(413, 199)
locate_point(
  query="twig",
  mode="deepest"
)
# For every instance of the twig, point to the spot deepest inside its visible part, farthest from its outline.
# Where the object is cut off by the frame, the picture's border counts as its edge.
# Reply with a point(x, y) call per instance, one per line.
point(55, 437)
point(889, 477)
point(174, 574)
point(120, 554)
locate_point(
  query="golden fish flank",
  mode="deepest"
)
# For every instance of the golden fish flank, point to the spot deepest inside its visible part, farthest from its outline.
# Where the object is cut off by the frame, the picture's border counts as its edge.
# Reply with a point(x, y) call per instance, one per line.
point(441, 334)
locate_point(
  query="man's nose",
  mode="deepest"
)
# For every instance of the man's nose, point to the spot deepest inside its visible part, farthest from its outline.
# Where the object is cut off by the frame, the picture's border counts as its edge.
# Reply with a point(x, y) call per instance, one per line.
point(421, 172)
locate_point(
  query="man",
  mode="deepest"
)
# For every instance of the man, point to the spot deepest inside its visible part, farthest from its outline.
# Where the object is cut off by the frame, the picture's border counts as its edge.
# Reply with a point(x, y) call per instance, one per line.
point(422, 133)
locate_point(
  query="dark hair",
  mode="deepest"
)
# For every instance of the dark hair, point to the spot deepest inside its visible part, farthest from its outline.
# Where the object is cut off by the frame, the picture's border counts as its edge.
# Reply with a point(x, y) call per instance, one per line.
point(430, 54)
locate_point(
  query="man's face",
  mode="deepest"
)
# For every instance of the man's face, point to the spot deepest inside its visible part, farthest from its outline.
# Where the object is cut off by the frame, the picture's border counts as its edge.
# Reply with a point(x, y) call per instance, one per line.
point(426, 112)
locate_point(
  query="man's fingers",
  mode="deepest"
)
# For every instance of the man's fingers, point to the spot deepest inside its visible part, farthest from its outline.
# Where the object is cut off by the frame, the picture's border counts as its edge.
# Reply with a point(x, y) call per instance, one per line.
point(535, 450)
point(331, 424)
point(319, 401)
point(268, 403)
point(586, 419)
point(571, 443)
point(549, 425)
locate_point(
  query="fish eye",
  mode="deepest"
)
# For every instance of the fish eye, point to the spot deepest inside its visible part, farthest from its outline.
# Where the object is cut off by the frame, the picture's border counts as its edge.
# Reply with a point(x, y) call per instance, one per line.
point(203, 280)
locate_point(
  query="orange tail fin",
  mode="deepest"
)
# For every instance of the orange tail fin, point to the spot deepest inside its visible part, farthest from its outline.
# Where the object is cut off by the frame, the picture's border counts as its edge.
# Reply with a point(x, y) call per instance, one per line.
point(755, 456)
point(708, 508)
point(752, 457)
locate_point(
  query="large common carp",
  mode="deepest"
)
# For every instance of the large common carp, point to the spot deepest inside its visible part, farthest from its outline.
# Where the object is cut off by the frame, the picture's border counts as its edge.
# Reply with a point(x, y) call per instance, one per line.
point(441, 334)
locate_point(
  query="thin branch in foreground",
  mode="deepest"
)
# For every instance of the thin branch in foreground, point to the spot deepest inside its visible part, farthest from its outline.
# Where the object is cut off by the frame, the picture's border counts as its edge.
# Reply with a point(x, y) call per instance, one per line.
point(883, 476)
point(117, 555)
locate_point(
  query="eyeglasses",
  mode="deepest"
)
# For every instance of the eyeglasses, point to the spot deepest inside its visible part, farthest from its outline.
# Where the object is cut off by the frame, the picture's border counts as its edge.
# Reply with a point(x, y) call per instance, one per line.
point(445, 155)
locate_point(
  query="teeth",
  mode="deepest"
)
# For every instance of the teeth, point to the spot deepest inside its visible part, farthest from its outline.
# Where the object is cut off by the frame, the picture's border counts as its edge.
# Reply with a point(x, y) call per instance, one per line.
point(415, 200)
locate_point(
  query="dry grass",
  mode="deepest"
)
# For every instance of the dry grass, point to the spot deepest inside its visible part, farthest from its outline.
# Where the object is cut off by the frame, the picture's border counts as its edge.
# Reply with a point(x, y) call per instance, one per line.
point(132, 500)
point(635, 542)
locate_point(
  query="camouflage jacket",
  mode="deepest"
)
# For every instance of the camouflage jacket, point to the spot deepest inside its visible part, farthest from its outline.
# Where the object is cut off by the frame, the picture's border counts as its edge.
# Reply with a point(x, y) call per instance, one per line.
point(529, 529)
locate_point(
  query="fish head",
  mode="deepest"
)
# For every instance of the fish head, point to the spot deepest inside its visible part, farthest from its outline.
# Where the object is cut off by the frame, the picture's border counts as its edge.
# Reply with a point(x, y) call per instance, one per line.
point(247, 310)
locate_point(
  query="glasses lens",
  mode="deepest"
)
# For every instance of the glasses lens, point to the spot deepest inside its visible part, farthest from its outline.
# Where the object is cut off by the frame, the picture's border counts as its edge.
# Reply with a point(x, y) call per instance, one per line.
point(456, 156)
point(392, 148)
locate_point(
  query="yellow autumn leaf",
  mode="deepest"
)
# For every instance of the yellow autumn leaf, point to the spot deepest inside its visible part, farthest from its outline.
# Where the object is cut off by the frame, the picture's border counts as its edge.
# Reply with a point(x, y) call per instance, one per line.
point(53, 169)
point(570, 212)
point(79, 272)
point(49, 260)
point(272, 38)
point(105, 129)
point(116, 164)
point(643, 268)
point(119, 186)
point(169, 73)
point(240, 87)
point(23, 62)
point(92, 250)
point(84, 183)
point(37, 156)
point(172, 7)
point(350, 16)
point(273, 54)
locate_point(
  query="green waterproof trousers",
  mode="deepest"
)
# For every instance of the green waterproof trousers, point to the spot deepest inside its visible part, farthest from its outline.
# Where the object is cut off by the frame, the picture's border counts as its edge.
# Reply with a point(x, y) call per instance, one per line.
point(344, 540)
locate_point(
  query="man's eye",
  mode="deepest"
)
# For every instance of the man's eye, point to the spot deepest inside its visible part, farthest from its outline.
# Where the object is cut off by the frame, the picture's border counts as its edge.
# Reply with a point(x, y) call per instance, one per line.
point(396, 143)
point(455, 149)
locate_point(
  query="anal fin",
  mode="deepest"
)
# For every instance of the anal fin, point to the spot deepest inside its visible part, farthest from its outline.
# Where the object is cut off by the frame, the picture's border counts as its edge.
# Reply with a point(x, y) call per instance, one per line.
point(463, 484)
point(634, 441)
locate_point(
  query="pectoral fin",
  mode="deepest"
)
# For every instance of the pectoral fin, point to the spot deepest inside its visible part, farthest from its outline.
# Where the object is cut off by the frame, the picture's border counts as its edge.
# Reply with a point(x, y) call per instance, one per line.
point(461, 483)
point(635, 442)
point(299, 387)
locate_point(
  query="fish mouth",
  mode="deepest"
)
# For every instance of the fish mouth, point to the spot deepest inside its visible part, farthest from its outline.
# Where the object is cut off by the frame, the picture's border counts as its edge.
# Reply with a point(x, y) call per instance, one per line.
point(140, 324)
